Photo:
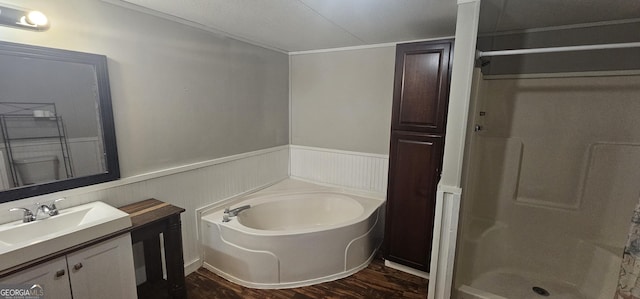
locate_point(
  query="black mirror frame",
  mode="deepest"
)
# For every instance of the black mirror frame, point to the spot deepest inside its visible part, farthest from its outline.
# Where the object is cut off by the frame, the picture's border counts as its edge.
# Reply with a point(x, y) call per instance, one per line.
point(99, 62)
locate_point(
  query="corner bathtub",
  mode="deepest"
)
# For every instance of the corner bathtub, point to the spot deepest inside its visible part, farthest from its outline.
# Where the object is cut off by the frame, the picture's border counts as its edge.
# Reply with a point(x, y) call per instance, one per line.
point(295, 234)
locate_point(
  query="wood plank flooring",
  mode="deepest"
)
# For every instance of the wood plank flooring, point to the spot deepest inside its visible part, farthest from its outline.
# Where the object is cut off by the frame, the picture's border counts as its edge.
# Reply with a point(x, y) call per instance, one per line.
point(375, 281)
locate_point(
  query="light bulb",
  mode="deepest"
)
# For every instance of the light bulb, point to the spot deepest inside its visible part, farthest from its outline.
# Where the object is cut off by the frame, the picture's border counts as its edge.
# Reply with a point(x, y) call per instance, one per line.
point(36, 18)
point(23, 19)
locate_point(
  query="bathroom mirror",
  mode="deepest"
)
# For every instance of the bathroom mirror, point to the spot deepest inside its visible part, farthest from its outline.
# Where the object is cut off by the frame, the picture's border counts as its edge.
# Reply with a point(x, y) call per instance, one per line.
point(56, 121)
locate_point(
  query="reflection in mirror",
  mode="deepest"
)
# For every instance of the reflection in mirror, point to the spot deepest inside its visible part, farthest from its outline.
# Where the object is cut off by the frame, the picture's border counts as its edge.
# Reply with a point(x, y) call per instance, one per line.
point(56, 123)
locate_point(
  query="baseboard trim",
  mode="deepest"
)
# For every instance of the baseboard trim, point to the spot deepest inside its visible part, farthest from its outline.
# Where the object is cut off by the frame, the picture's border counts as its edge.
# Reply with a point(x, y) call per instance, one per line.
point(192, 266)
point(406, 269)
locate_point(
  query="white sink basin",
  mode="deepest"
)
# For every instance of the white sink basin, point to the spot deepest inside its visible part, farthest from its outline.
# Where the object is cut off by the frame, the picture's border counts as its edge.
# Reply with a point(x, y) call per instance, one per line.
point(22, 242)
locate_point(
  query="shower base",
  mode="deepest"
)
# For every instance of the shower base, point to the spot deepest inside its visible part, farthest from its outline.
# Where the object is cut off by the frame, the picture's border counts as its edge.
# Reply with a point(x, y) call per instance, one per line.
point(502, 262)
point(508, 284)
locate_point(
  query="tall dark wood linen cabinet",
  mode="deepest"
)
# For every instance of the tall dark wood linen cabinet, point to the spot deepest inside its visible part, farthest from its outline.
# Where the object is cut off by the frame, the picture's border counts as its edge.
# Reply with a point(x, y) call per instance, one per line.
point(420, 101)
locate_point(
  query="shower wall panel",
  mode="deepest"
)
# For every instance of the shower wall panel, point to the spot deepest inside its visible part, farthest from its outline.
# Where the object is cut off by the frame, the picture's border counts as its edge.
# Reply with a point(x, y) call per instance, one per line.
point(561, 155)
point(552, 182)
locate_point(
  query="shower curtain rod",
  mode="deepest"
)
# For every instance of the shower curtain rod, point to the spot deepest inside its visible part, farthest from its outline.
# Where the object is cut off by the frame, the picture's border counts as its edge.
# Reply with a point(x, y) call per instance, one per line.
point(480, 54)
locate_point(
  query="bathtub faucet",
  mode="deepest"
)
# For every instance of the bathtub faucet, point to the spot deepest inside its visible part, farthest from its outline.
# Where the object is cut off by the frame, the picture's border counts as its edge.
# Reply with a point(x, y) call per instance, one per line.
point(233, 212)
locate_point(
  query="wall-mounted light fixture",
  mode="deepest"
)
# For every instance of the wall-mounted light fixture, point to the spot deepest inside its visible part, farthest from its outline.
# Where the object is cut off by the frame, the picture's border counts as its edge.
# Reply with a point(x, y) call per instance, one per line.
point(23, 19)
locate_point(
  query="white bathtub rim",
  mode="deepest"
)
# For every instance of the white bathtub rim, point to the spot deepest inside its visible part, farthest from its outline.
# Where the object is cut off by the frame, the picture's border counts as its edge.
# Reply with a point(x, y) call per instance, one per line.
point(266, 190)
point(347, 211)
point(264, 196)
point(234, 224)
point(290, 285)
point(260, 197)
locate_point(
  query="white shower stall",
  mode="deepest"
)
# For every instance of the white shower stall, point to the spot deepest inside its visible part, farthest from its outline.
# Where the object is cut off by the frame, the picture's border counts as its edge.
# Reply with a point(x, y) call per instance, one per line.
point(552, 178)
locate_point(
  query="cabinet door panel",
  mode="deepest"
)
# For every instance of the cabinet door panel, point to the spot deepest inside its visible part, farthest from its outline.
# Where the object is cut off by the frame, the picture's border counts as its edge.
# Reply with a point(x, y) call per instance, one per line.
point(52, 276)
point(414, 171)
point(421, 87)
point(104, 270)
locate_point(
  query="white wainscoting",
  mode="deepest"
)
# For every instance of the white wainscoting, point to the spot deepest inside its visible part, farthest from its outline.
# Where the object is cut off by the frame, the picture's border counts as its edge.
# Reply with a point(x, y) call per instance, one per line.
point(212, 182)
point(355, 170)
point(189, 186)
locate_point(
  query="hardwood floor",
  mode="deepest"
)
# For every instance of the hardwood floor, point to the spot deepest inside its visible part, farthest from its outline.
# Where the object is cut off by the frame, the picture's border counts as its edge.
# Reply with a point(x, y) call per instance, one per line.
point(375, 281)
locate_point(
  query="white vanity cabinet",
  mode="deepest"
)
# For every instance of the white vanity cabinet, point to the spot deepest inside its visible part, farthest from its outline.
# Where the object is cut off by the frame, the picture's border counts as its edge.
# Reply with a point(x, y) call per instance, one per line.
point(53, 276)
point(104, 270)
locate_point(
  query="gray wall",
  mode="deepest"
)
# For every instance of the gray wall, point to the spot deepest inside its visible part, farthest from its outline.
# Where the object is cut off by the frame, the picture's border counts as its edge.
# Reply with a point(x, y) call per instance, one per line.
point(180, 94)
point(342, 99)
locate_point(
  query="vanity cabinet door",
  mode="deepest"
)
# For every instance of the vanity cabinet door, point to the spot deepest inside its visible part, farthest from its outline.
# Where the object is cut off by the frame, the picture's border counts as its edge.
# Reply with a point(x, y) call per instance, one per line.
point(104, 270)
point(52, 276)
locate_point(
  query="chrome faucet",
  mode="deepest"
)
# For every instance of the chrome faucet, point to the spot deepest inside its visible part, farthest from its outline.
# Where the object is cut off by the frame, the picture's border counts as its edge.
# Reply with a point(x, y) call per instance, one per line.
point(27, 215)
point(236, 211)
point(50, 210)
point(46, 210)
point(233, 212)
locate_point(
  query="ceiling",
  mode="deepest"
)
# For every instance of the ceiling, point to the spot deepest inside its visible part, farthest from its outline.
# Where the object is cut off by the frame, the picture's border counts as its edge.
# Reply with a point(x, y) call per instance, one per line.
point(509, 15)
point(301, 25)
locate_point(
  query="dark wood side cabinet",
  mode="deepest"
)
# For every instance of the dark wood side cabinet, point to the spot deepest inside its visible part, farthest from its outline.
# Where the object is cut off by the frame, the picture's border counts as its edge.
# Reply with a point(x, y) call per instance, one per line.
point(420, 101)
point(149, 219)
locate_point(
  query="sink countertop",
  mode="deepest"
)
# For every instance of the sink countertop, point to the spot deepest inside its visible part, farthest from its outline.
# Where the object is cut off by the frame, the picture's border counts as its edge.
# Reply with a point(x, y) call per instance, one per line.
point(24, 242)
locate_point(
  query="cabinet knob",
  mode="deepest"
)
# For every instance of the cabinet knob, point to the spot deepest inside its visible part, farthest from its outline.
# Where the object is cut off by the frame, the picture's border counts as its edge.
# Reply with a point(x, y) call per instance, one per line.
point(60, 273)
point(77, 266)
